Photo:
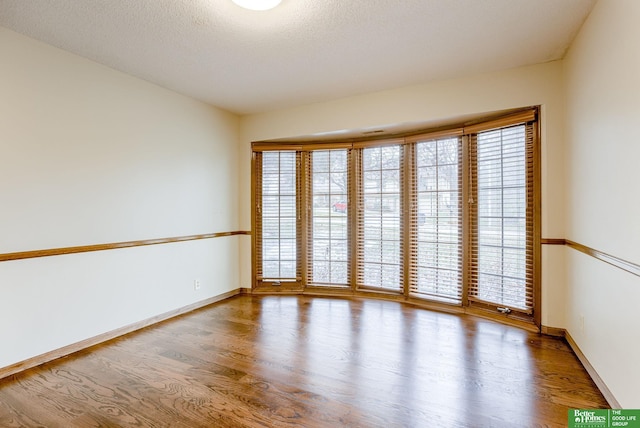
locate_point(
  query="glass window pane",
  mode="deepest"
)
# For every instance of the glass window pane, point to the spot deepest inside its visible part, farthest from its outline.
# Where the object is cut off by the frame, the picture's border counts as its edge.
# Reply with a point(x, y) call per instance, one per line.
point(382, 225)
point(329, 239)
point(278, 215)
point(439, 259)
point(501, 223)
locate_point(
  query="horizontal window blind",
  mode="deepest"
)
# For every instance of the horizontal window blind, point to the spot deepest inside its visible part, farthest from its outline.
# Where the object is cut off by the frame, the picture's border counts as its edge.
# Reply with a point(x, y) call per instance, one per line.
point(328, 228)
point(436, 220)
point(379, 218)
point(277, 224)
point(501, 217)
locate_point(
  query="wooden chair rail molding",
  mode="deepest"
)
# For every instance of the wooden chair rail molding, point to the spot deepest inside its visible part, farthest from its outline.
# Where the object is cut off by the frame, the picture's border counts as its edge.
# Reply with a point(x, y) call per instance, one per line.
point(625, 265)
point(5, 257)
point(113, 246)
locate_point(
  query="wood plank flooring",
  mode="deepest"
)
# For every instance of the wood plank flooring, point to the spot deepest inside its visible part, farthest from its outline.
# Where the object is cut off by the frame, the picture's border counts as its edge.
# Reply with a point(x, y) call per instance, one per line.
point(300, 361)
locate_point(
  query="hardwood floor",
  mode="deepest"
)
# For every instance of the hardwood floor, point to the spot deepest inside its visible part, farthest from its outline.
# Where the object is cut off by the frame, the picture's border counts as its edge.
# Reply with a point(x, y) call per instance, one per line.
point(300, 361)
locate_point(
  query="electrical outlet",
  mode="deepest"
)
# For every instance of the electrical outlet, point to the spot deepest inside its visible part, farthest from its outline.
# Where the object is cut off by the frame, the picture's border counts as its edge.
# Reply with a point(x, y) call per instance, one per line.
point(196, 284)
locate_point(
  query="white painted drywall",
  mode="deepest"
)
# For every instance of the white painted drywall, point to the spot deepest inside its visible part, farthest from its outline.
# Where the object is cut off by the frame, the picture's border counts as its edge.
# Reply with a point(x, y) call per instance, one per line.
point(534, 85)
point(602, 75)
point(89, 155)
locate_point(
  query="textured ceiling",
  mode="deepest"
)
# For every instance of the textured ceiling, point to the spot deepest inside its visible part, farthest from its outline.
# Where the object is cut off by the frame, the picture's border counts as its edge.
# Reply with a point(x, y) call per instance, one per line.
point(304, 51)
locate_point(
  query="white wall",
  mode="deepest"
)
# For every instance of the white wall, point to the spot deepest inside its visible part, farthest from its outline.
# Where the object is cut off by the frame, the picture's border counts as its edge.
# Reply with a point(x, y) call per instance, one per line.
point(534, 85)
point(602, 75)
point(89, 155)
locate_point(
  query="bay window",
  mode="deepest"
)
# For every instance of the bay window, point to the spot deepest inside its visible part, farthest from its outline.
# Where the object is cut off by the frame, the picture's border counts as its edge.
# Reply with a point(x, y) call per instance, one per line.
point(446, 217)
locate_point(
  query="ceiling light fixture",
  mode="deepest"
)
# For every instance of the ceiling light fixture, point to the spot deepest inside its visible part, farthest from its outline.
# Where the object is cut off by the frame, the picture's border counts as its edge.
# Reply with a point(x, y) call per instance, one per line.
point(257, 4)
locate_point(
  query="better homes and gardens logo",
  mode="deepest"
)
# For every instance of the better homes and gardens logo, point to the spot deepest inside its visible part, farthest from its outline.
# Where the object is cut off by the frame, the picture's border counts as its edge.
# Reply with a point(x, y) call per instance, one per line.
point(589, 418)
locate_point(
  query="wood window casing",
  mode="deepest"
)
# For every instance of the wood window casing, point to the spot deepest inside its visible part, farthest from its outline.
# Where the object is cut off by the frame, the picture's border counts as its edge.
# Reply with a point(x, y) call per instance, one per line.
point(461, 220)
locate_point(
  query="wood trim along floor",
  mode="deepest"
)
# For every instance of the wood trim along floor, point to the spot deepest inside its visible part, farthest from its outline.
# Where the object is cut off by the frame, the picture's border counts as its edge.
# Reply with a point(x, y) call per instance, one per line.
point(553, 331)
point(606, 392)
point(75, 347)
point(113, 246)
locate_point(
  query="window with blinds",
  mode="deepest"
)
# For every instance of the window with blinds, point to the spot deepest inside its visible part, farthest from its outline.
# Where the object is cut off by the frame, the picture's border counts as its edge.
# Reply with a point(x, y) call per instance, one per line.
point(277, 216)
point(448, 216)
point(328, 231)
point(502, 219)
point(380, 260)
point(436, 219)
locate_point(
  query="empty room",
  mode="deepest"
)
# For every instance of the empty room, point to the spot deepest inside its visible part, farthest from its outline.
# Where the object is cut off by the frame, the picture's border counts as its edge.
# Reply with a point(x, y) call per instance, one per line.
point(318, 213)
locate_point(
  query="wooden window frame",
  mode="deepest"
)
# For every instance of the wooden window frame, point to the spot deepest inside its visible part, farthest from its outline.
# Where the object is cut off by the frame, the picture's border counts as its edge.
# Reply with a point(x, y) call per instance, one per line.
point(531, 320)
point(473, 244)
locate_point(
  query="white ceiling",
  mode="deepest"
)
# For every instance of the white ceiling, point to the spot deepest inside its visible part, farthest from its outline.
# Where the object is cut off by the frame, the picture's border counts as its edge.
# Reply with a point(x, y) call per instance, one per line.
point(304, 51)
